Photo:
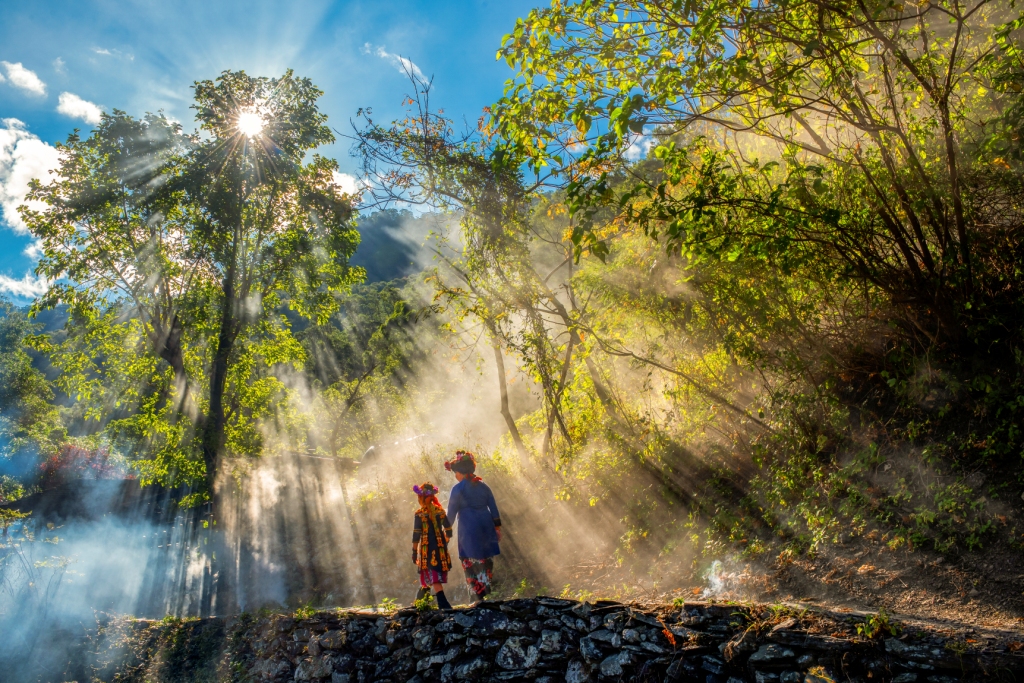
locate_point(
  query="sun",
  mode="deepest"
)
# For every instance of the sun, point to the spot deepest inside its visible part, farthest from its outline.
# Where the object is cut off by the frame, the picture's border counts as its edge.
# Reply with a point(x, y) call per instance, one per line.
point(249, 123)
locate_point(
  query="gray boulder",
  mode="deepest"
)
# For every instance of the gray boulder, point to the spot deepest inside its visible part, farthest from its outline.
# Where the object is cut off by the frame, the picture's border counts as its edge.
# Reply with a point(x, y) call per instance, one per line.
point(577, 672)
point(517, 653)
point(589, 650)
point(550, 641)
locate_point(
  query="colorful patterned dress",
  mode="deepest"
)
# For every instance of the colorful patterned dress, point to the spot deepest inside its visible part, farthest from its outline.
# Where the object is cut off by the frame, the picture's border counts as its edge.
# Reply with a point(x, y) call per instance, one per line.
point(472, 504)
point(430, 534)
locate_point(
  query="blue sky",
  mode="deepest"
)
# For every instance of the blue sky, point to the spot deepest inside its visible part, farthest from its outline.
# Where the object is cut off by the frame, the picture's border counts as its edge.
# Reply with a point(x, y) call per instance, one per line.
point(59, 61)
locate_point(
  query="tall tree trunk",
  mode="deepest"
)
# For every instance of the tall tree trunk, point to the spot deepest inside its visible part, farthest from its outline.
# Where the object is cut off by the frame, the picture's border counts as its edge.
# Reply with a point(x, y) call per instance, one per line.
point(505, 412)
point(213, 429)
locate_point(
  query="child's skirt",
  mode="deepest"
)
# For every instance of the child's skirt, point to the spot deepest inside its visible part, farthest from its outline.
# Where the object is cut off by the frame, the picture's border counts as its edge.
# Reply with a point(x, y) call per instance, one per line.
point(429, 577)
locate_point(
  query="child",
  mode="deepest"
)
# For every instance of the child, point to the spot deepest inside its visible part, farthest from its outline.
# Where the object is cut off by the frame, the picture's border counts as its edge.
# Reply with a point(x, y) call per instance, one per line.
point(430, 537)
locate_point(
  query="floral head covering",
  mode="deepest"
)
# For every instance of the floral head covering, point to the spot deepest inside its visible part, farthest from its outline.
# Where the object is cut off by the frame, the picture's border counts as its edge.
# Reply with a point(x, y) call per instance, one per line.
point(425, 489)
point(464, 463)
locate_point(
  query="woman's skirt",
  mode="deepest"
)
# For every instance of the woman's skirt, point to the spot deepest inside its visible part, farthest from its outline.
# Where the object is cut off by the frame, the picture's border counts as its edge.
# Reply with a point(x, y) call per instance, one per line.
point(479, 574)
point(429, 577)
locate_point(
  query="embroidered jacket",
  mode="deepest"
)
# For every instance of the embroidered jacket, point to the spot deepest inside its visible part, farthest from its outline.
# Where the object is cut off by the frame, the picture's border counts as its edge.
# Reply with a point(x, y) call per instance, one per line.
point(431, 533)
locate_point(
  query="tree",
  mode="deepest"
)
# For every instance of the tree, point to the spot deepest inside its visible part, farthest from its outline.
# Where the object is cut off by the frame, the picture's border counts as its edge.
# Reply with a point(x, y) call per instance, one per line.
point(30, 423)
point(171, 249)
point(846, 135)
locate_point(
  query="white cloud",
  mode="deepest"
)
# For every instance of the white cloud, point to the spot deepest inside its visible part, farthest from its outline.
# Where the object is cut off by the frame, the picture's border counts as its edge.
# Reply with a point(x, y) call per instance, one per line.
point(114, 53)
point(27, 287)
point(60, 66)
point(23, 78)
point(73, 106)
point(349, 184)
point(34, 250)
point(404, 65)
point(23, 156)
point(639, 148)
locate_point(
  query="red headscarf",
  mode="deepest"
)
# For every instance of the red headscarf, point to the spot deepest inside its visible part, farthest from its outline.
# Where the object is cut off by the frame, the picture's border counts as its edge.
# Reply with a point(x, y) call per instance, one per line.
point(463, 463)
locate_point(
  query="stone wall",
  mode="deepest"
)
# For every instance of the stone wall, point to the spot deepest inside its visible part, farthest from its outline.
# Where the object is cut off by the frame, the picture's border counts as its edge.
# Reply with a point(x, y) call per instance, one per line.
point(547, 640)
point(552, 640)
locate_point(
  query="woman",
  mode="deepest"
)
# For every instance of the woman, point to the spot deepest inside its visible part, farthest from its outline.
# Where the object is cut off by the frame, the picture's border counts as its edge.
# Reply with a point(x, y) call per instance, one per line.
point(472, 504)
point(430, 534)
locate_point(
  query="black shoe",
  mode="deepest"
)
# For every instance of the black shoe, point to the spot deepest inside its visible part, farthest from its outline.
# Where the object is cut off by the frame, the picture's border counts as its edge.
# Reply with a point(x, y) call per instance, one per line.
point(442, 601)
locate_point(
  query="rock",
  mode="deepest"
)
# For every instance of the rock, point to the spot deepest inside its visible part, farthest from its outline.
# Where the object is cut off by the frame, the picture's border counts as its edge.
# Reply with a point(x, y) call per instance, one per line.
point(614, 621)
point(653, 648)
point(314, 647)
point(300, 635)
point(765, 677)
point(741, 644)
point(340, 678)
point(464, 620)
point(905, 678)
point(589, 650)
point(423, 639)
point(269, 669)
point(333, 640)
point(602, 636)
point(582, 610)
point(426, 662)
point(556, 602)
point(472, 670)
point(682, 632)
point(310, 669)
point(630, 635)
point(520, 608)
point(771, 654)
point(785, 625)
point(550, 641)
point(713, 665)
point(790, 677)
point(344, 663)
point(610, 666)
point(577, 672)
point(491, 622)
point(446, 626)
point(516, 653)
point(380, 629)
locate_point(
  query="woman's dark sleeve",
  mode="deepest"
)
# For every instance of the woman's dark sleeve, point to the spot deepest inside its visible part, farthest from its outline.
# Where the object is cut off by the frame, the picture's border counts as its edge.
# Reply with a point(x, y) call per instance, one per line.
point(492, 505)
point(416, 530)
point(454, 504)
